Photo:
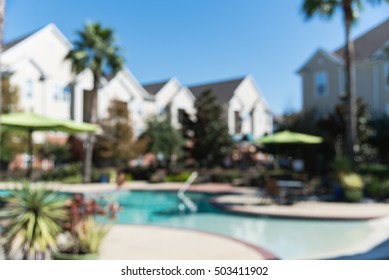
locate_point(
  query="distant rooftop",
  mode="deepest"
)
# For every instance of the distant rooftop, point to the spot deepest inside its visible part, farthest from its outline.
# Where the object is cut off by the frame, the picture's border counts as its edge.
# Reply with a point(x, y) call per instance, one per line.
point(154, 88)
point(368, 43)
point(223, 90)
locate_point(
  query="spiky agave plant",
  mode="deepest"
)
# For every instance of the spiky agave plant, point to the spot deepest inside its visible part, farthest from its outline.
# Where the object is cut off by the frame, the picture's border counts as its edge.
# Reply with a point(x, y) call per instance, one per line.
point(33, 221)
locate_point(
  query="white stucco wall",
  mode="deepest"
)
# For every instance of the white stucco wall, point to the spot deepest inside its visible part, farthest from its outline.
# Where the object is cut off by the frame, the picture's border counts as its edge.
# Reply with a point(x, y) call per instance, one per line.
point(181, 100)
point(41, 54)
point(125, 88)
point(176, 97)
point(249, 102)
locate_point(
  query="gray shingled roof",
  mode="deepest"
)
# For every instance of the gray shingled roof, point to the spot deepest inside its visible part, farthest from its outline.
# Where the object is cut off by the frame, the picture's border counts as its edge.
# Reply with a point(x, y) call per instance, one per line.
point(154, 88)
point(224, 90)
point(370, 42)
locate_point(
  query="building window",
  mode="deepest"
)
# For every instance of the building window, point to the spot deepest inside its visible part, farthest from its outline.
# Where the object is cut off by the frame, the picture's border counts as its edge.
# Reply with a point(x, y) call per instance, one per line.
point(29, 89)
point(252, 121)
point(67, 93)
point(61, 94)
point(137, 107)
point(321, 83)
point(238, 122)
point(181, 116)
point(57, 93)
point(386, 73)
point(342, 83)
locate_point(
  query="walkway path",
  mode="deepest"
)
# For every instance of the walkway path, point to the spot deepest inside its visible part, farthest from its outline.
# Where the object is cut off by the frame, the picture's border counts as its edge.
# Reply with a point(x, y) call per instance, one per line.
point(161, 243)
point(303, 210)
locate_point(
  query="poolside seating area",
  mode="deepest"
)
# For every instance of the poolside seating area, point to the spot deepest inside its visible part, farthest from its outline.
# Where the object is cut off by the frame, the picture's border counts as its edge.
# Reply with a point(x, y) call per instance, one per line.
point(287, 191)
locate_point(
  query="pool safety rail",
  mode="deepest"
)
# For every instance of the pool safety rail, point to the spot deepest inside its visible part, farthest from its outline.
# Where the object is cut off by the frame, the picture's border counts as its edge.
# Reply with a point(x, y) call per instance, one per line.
point(186, 201)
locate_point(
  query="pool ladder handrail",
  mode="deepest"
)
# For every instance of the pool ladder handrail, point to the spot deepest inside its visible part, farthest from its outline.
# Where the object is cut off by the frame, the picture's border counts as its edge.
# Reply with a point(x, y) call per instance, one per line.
point(181, 192)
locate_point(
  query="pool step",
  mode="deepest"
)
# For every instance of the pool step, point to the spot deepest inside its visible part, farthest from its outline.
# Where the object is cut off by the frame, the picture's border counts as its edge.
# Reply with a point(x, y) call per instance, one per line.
point(186, 201)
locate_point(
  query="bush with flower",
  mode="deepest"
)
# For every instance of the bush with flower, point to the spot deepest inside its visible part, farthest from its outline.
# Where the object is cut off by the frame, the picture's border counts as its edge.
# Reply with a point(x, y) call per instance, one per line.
point(352, 181)
point(352, 184)
point(84, 231)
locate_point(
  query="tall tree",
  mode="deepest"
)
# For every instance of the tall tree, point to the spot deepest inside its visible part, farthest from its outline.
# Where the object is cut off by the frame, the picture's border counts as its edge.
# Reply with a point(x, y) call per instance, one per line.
point(350, 10)
point(94, 49)
point(115, 144)
point(333, 130)
point(12, 142)
point(163, 138)
point(211, 141)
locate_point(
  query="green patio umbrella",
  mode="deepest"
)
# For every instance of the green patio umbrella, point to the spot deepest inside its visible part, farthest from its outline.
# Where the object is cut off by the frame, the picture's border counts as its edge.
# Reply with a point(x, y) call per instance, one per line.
point(31, 122)
point(289, 137)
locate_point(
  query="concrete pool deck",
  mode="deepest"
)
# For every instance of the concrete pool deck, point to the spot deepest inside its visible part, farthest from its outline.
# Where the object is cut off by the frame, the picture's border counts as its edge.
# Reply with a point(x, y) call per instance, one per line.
point(138, 242)
point(250, 205)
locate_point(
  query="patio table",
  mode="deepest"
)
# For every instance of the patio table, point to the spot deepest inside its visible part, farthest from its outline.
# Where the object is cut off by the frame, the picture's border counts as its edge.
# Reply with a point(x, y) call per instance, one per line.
point(286, 187)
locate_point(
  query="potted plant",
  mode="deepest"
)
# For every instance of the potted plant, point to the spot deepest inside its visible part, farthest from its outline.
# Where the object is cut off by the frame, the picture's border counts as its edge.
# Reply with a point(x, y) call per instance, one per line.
point(352, 185)
point(83, 234)
point(32, 222)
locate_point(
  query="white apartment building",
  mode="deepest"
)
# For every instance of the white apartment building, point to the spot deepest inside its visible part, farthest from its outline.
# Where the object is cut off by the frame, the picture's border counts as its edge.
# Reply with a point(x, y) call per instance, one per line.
point(36, 65)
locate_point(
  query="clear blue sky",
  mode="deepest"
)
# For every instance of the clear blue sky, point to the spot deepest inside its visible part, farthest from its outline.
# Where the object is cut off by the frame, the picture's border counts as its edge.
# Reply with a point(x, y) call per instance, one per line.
point(202, 40)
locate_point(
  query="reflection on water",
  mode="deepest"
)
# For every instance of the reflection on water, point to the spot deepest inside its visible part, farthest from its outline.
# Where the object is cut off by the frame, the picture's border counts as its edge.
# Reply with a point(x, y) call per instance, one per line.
point(286, 238)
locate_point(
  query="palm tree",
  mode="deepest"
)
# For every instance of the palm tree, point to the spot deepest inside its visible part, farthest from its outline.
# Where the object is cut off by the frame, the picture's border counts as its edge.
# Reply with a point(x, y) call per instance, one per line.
point(350, 10)
point(95, 50)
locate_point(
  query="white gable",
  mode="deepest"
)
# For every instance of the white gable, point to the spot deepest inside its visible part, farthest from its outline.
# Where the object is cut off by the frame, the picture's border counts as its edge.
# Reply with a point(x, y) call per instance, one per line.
point(323, 55)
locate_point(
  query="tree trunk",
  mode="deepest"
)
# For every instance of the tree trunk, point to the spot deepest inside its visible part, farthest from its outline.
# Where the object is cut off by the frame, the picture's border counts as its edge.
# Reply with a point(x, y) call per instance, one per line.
point(30, 154)
point(2, 15)
point(351, 126)
point(89, 143)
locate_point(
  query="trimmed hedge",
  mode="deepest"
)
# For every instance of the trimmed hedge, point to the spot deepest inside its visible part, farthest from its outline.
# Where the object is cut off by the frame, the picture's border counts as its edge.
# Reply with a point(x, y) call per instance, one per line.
point(374, 169)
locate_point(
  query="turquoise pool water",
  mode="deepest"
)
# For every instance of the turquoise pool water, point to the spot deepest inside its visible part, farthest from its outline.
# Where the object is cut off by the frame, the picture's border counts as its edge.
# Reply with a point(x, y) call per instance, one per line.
point(286, 238)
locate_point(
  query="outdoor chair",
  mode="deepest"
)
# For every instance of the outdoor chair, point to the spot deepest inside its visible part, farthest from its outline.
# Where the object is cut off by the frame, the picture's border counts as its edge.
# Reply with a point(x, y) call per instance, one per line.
point(271, 192)
point(310, 189)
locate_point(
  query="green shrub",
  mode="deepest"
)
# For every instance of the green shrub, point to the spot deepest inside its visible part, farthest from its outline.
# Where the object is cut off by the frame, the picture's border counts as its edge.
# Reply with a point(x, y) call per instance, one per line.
point(342, 164)
point(75, 179)
point(374, 169)
point(376, 188)
point(372, 187)
point(128, 177)
point(140, 173)
point(385, 189)
point(352, 181)
point(226, 176)
point(97, 175)
point(62, 172)
point(352, 185)
point(180, 177)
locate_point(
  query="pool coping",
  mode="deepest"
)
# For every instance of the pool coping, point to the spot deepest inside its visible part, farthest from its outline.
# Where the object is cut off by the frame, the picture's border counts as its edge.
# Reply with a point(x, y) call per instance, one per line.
point(230, 209)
